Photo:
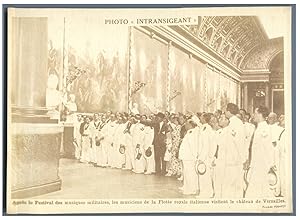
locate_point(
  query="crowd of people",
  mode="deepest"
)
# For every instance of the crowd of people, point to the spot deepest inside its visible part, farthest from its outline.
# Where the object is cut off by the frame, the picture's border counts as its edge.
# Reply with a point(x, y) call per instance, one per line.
point(229, 154)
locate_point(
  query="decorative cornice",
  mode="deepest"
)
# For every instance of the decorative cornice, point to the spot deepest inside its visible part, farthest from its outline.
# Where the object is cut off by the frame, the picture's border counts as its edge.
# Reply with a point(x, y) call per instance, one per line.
point(202, 52)
point(183, 38)
point(262, 76)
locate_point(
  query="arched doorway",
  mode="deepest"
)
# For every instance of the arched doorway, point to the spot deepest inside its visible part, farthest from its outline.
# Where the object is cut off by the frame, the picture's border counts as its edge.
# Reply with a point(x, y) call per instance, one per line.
point(277, 83)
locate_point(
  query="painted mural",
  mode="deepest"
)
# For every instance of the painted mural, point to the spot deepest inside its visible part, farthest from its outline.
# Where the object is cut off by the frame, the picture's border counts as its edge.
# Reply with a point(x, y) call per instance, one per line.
point(149, 66)
point(96, 60)
point(101, 57)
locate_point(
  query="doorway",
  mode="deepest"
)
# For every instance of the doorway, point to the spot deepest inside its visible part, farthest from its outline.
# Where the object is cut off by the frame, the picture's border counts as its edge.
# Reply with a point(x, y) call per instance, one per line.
point(278, 101)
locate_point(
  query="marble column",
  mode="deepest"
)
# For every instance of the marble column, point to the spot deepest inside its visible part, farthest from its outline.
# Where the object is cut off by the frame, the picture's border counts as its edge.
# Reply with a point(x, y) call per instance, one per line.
point(28, 80)
point(245, 96)
point(33, 138)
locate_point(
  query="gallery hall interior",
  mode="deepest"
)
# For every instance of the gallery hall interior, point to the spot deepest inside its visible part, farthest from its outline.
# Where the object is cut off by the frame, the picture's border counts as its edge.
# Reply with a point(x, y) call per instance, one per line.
point(103, 111)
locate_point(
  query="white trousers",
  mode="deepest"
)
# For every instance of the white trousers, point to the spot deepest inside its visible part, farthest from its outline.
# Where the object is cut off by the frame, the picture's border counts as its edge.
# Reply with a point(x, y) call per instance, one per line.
point(86, 146)
point(190, 178)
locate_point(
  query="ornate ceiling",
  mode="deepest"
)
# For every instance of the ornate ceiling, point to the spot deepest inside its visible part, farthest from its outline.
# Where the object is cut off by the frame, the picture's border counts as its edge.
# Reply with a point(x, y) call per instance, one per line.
point(231, 37)
point(262, 55)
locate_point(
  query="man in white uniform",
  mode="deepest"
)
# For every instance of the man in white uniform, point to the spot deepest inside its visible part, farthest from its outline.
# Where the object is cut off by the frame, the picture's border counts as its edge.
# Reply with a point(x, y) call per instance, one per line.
point(188, 155)
point(221, 189)
point(77, 137)
point(138, 145)
point(276, 131)
point(282, 167)
point(108, 133)
point(207, 147)
point(249, 129)
point(129, 150)
point(119, 139)
point(96, 148)
point(102, 156)
point(86, 141)
point(262, 157)
point(148, 145)
point(236, 156)
point(95, 124)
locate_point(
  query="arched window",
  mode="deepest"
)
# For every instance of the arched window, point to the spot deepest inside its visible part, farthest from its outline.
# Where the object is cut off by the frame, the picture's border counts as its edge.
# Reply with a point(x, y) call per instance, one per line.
point(232, 56)
point(225, 50)
point(208, 34)
point(238, 61)
point(217, 43)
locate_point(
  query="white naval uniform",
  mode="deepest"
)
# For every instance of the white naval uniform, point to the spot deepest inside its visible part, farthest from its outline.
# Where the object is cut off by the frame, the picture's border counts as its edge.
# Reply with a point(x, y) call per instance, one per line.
point(119, 139)
point(86, 143)
point(188, 155)
point(112, 126)
point(235, 153)
point(275, 135)
point(96, 151)
point(283, 168)
point(102, 150)
point(261, 162)
point(138, 138)
point(129, 152)
point(220, 184)
point(95, 133)
point(249, 129)
point(107, 133)
point(206, 150)
point(77, 139)
point(148, 140)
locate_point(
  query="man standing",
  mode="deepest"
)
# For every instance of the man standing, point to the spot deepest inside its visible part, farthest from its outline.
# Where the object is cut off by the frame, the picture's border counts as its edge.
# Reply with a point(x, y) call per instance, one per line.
point(129, 148)
point(77, 136)
point(249, 129)
point(86, 141)
point(276, 131)
point(262, 158)
point(207, 147)
point(119, 140)
point(188, 155)
point(283, 155)
point(95, 130)
point(107, 134)
point(148, 146)
point(159, 142)
point(275, 128)
point(236, 157)
point(221, 189)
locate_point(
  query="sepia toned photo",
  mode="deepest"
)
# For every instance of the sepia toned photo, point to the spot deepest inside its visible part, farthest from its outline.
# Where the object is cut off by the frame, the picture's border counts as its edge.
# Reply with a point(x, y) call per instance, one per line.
point(179, 110)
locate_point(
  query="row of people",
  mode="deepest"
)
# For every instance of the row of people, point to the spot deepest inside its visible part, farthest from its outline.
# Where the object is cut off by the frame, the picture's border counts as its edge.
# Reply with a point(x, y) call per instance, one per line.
point(235, 158)
point(226, 144)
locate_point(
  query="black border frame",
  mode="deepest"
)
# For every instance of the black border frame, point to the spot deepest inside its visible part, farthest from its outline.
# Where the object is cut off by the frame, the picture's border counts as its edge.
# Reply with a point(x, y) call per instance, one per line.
point(141, 6)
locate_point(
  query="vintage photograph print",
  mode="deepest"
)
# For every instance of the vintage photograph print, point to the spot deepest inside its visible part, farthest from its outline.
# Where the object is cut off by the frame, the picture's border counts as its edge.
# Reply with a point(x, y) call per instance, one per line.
point(162, 110)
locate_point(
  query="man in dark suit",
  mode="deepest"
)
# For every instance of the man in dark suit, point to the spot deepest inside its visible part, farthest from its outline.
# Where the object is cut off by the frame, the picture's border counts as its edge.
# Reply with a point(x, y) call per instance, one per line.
point(161, 129)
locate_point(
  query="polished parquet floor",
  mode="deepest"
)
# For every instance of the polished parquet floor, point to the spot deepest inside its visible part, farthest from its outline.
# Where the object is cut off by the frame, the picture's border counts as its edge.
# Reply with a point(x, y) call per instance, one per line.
point(84, 181)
